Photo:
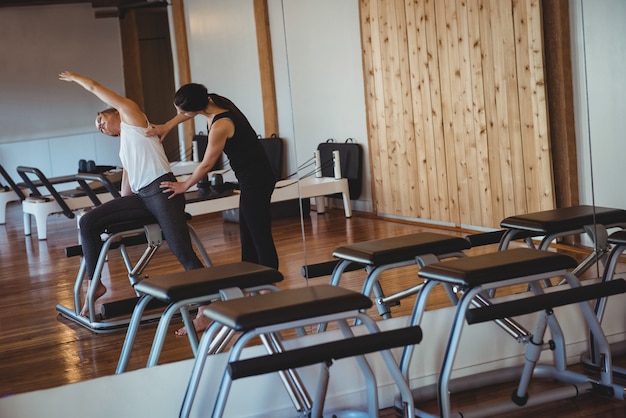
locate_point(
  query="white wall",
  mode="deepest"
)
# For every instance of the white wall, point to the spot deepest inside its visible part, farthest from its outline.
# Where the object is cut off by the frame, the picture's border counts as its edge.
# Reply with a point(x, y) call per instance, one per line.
point(47, 123)
point(317, 63)
point(598, 31)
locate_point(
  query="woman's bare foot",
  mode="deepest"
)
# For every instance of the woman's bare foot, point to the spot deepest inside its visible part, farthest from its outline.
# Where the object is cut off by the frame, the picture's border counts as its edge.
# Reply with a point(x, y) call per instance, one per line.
point(100, 291)
point(200, 323)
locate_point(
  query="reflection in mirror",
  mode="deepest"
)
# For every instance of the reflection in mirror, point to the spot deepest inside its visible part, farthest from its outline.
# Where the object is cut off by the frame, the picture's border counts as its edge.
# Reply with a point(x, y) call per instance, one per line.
point(598, 91)
point(319, 95)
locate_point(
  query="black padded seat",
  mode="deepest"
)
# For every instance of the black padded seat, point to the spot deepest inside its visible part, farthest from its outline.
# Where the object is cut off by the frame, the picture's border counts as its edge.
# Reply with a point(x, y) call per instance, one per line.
point(396, 249)
point(207, 281)
point(495, 267)
point(563, 222)
point(137, 231)
point(275, 308)
point(564, 219)
point(267, 315)
point(472, 276)
point(193, 287)
point(379, 255)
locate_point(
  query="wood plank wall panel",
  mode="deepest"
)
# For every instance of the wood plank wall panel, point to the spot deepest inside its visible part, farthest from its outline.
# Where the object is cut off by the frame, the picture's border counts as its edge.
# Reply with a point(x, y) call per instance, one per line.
point(457, 118)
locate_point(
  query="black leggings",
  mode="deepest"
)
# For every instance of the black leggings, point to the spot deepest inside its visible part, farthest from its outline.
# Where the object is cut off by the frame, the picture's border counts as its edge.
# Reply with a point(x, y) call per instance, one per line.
point(255, 225)
point(150, 200)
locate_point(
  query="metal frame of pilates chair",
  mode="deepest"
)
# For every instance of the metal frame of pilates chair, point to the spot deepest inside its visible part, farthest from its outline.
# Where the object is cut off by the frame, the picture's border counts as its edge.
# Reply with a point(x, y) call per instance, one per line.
point(592, 360)
point(194, 287)
point(478, 274)
point(10, 192)
point(379, 255)
point(120, 236)
point(40, 207)
point(267, 315)
point(561, 222)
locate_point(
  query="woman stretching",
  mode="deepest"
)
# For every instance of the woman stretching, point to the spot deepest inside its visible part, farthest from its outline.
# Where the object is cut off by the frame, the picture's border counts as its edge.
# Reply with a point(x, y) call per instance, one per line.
point(145, 167)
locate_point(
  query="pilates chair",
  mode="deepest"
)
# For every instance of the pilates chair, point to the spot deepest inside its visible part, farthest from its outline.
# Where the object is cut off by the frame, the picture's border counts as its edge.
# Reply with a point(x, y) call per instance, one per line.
point(379, 255)
point(41, 206)
point(557, 223)
point(268, 315)
point(9, 192)
point(473, 276)
point(138, 232)
point(183, 289)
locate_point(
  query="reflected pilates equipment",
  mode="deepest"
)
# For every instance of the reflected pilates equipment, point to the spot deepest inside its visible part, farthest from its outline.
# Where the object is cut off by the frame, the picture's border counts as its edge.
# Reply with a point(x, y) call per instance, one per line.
point(144, 231)
point(473, 277)
point(9, 192)
point(180, 290)
point(562, 222)
point(593, 359)
point(103, 187)
point(309, 187)
point(268, 315)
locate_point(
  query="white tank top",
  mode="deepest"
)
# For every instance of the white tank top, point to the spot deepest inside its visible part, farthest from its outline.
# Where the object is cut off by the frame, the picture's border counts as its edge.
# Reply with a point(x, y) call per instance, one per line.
point(143, 157)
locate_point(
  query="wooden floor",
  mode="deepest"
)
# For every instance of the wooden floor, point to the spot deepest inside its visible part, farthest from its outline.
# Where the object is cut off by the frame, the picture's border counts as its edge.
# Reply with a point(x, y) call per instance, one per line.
point(41, 349)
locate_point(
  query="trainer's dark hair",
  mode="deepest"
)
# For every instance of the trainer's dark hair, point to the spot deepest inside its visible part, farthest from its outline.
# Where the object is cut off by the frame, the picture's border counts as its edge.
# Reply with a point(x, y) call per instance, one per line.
point(194, 97)
point(191, 97)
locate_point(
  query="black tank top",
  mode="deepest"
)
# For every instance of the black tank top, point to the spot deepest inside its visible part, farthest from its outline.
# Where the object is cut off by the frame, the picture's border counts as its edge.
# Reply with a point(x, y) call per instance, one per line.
point(245, 153)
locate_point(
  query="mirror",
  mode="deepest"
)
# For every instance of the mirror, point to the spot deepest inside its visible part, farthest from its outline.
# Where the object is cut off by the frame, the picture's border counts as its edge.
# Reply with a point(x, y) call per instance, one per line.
point(310, 112)
point(597, 57)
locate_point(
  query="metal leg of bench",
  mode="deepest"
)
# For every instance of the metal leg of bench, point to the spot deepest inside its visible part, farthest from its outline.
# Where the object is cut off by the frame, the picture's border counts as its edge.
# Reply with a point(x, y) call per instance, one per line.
point(91, 292)
point(600, 304)
point(196, 241)
point(131, 333)
point(219, 342)
point(78, 285)
point(166, 319)
point(196, 372)
point(533, 351)
point(192, 335)
point(291, 380)
point(320, 391)
point(334, 281)
point(390, 362)
point(451, 350)
point(601, 342)
point(416, 317)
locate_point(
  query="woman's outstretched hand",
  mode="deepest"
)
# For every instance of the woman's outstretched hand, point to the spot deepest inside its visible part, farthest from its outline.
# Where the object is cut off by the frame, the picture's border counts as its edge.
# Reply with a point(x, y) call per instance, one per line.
point(67, 76)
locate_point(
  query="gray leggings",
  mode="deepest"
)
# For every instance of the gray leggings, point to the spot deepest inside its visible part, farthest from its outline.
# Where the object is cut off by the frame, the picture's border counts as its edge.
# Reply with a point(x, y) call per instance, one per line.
point(150, 200)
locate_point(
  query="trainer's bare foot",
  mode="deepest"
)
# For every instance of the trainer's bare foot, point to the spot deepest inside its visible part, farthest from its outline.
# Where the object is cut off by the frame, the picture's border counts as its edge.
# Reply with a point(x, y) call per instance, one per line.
point(200, 323)
point(100, 291)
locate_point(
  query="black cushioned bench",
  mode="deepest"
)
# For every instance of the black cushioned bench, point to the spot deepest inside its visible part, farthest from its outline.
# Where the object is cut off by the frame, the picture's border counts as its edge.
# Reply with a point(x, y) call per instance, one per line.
point(379, 255)
point(267, 315)
point(182, 289)
point(561, 222)
point(474, 275)
point(119, 235)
